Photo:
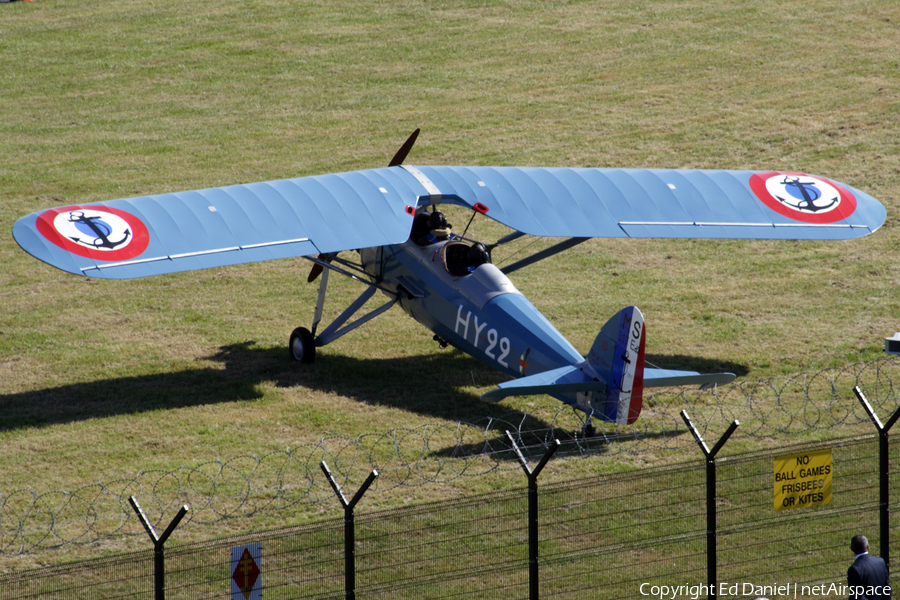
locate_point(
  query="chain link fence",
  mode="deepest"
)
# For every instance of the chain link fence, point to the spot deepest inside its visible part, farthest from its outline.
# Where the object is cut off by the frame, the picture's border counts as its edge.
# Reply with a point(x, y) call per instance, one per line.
point(627, 535)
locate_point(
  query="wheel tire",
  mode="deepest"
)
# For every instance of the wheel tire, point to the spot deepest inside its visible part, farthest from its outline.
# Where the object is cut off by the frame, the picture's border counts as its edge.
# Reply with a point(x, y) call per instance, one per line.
point(302, 346)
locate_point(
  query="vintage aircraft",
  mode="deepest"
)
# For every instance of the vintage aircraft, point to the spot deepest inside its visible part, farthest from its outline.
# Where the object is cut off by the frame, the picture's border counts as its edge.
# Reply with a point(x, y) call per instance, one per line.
point(446, 282)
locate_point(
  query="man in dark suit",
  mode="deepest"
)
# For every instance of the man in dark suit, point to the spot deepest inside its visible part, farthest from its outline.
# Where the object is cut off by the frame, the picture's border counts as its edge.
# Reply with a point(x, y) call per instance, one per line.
point(867, 577)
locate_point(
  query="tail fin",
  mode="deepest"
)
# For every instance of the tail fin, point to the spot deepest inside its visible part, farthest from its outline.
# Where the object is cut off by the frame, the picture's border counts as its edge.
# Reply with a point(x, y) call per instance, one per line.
point(618, 357)
point(611, 385)
point(611, 389)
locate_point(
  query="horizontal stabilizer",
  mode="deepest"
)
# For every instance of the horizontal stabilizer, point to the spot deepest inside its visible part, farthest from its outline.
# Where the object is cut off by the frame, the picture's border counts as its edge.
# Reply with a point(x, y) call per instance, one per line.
point(565, 380)
point(668, 377)
point(572, 380)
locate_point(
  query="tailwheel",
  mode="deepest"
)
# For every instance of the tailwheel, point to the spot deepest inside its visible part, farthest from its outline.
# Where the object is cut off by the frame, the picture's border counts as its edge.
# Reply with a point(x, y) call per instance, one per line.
point(589, 431)
point(302, 345)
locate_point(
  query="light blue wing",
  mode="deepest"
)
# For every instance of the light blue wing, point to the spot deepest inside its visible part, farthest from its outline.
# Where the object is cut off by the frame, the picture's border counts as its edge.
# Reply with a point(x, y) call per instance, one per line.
point(182, 231)
point(658, 203)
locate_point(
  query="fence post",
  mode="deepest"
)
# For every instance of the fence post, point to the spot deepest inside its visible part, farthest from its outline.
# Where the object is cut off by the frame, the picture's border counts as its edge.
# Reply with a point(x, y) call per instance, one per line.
point(884, 477)
point(710, 497)
point(159, 560)
point(349, 529)
point(533, 589)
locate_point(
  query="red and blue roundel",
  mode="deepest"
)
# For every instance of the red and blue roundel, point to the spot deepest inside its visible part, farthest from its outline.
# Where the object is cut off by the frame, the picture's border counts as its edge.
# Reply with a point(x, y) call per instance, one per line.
point(803, 197)
point(97, 232)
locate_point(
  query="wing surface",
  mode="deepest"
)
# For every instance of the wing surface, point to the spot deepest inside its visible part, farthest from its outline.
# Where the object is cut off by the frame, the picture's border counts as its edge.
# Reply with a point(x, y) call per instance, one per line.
point(659, 203)
point(166, 233)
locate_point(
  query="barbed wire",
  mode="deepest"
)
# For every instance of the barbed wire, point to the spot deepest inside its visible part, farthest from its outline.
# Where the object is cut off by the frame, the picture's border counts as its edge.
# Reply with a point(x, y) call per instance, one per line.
point(434, 454)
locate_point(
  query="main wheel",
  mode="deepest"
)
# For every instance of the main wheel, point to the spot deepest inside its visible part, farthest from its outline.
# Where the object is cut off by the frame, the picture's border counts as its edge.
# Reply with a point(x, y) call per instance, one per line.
point(302, 346)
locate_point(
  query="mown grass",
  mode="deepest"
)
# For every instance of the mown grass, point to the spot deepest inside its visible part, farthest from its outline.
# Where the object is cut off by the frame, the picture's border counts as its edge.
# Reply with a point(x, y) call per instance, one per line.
point(99, 380)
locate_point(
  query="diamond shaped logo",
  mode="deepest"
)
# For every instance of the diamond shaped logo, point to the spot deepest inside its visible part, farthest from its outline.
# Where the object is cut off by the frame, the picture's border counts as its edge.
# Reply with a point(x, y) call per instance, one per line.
point(245, 572)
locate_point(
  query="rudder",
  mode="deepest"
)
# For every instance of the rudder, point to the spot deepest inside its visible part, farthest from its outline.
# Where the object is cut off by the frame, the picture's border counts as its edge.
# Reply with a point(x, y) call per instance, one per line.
point(617, 356)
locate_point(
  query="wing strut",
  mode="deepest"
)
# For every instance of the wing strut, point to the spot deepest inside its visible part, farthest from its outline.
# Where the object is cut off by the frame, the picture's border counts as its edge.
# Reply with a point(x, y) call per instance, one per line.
point(334, 331)
point(506, 239)
point(320, 300)
point(537, 256)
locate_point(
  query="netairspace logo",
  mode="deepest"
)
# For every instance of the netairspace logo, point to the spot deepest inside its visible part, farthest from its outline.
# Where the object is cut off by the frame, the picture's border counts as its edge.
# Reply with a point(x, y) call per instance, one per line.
point(771, 591)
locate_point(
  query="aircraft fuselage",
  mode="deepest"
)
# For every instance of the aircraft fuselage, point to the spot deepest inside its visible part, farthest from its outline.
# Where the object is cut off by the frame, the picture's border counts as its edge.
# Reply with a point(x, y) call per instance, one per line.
point(477, 310)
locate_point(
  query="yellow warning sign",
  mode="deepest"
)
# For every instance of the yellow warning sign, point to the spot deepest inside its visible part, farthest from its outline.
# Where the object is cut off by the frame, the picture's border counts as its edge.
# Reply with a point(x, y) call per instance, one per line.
point(803, 479)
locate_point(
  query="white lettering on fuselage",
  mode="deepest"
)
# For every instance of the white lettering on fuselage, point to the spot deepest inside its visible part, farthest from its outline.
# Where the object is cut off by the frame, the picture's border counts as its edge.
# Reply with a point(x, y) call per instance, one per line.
point(478, 329)
point(491, 336)
point(464, 323)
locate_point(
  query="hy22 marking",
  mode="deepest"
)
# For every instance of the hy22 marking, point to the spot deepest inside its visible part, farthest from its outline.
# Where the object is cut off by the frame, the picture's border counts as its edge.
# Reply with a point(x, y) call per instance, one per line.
point(491, 336)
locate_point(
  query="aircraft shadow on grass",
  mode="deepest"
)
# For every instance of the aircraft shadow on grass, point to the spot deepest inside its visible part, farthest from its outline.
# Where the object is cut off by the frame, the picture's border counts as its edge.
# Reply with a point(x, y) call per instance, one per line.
point(431, 385)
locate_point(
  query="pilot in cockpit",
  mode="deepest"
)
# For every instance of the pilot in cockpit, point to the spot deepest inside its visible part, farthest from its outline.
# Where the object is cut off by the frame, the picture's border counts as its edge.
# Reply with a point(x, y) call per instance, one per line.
point(430, 228)
point(458, 257)
point(478, 255)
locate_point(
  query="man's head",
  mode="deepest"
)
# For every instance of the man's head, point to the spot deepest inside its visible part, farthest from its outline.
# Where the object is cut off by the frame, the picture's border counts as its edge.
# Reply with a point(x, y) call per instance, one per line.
point(437, 220)
point(859, 543)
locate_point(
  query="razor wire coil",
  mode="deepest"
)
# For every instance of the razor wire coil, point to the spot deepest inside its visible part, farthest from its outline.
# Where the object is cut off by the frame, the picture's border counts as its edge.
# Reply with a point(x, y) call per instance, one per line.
point(438, 453)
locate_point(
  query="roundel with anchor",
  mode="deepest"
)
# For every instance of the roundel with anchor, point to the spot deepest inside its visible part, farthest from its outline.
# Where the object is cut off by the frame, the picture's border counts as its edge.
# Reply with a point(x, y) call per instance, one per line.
point(803, 197)
point(97, 232)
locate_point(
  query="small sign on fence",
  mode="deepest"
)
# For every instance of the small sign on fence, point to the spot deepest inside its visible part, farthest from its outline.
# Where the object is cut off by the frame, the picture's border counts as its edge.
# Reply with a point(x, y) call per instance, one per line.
point(803, 479)
point(246, 582)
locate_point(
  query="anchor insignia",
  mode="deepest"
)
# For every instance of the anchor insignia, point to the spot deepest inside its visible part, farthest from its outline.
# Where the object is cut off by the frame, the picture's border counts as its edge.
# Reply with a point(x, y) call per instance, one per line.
point(803, 195)
point(100, 229)
point(96, 232)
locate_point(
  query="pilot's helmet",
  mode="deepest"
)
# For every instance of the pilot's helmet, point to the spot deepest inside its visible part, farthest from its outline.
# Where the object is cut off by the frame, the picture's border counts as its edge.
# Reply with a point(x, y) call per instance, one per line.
point(420, 221)
point(438, 226)
point(478, 255)
point(437, 220)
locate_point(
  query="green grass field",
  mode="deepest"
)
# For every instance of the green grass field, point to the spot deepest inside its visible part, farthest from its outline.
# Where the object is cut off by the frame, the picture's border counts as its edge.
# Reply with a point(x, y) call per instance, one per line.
point(102, 379)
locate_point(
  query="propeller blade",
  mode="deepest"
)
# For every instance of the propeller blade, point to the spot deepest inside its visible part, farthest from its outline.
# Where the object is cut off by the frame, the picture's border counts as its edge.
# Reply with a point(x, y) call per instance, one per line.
point(315, 272)
point(404, 150)
point(317, 268)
